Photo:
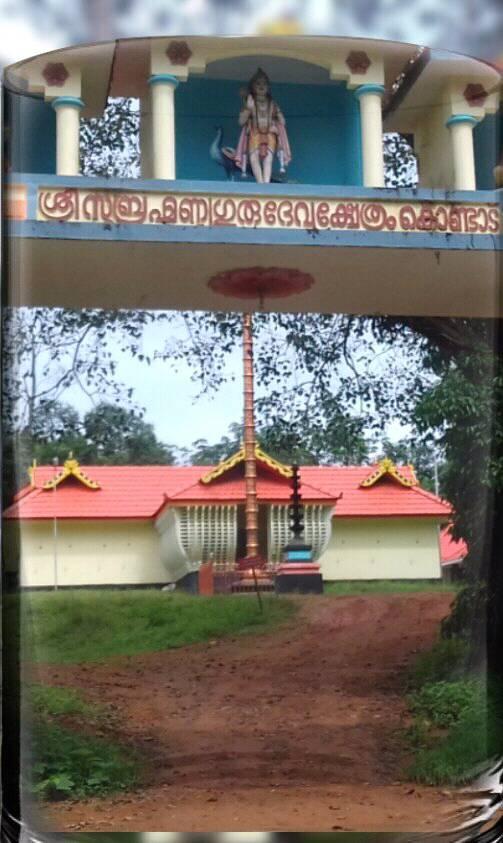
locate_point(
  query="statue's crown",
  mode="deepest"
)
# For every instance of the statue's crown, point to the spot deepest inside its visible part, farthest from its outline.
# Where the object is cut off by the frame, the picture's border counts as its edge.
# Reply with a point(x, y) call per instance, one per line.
point(259, 74)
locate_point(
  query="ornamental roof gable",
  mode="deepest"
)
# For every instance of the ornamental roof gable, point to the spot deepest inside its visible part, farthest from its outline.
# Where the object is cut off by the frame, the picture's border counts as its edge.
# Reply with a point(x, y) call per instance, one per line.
point(387, 468)
point(238, 458)
point(71, 468)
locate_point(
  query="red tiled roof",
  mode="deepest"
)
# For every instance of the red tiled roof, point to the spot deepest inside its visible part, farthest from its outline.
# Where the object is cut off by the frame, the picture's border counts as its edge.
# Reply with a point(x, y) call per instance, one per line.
point(385, 498)
point(451, 550)
point(126, 491)
point(141, 491)
point(231, 488)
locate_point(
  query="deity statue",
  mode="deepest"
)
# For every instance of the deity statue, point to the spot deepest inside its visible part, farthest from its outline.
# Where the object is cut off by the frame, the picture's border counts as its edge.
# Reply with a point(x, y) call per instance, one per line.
point(263, 131)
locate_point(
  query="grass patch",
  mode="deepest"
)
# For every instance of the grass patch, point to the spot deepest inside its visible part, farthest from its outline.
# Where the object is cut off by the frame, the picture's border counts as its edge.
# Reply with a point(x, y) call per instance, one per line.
point(353, 588)
point(91, 626)
point(457, 757)
point(67, 760)
point(447, 703)
point(47, 701)
point(457, 724)
point(447, 660)
point(467, 737)
point(67, 764)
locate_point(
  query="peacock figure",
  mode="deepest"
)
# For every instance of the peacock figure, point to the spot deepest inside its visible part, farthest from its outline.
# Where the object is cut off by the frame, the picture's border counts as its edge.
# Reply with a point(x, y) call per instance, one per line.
point(224, 155)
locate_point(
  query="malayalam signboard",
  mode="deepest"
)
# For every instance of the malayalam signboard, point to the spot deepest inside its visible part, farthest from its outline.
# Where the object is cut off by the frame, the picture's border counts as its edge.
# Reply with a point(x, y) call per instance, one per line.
point(313, 214)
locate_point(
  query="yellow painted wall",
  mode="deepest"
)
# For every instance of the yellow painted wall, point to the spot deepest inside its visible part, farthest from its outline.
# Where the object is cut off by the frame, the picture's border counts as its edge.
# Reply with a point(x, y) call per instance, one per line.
point(89, 553)
point(434, 149)
point(128, 553)
point(382, 548)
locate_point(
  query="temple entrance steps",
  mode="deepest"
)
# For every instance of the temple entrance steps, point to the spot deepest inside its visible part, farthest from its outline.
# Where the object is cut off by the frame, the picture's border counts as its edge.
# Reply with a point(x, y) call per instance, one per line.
point(242, 582)
point(247, 585)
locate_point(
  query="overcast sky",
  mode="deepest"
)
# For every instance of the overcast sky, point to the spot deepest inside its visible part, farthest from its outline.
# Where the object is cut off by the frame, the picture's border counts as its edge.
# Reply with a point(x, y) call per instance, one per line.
point(32, 26)
point(169, 396)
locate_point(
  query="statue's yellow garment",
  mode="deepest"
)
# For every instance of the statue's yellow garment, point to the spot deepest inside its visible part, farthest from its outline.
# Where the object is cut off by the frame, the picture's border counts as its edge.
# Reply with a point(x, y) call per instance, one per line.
point(263, 141)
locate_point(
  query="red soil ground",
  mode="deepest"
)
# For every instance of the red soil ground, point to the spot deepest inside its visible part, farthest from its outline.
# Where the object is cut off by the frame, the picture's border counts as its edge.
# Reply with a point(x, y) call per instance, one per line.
point(298, 729)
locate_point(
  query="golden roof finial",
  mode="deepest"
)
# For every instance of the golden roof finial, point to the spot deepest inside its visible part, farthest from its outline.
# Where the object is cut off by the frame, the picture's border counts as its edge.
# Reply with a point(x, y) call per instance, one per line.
point(286, 24)
point(31, 472)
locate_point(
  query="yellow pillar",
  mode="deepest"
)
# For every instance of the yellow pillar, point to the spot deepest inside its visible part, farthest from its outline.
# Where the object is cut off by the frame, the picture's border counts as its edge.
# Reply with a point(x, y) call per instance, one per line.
point(461, 129)
point(67, 135)
point(369, 97)
point(163, 125)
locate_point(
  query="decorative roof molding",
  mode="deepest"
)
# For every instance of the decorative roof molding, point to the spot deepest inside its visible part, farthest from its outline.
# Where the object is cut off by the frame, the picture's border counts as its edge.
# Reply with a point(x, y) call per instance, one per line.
point(55, 74)
point(388, 467)
point(358, 61)
point(475, 94)
point(178, 52)
point(270, 462)
point(239, 457)
point(71, 468)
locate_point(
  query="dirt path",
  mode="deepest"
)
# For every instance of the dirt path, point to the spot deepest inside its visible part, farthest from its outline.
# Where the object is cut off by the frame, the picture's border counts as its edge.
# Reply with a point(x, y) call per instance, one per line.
point(293, 730)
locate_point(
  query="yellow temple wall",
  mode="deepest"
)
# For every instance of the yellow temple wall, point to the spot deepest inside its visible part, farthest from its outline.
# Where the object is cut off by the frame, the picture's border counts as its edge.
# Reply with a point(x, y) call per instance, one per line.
point(97, 552)
point(129, 552)
point(382, 549)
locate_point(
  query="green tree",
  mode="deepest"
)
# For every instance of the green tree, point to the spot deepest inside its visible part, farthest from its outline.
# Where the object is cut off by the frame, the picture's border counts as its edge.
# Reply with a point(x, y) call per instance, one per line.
point(202, 452)
point(108, 435)
point(457, 406)
point(54, 421)
point(465, 407)
point(120, 436)
point(342, 441)
point(323, 376)
point(400, 161)
point(338, 439)
point(55, 431)
point(48, 350)
point(109, 145)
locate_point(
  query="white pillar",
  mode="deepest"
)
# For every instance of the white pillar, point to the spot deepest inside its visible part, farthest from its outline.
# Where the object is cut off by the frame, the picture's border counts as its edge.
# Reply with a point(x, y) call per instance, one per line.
point(463, 157)
point(67, 135)
point(369, 97)
point(163, 125)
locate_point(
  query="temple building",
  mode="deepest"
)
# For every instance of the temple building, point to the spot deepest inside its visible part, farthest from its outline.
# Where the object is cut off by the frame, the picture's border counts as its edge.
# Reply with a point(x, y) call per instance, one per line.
point(151, 525)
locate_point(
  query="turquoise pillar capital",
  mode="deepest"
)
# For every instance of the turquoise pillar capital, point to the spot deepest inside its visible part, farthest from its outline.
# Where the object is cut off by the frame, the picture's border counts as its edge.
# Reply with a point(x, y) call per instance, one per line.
point(369, 89)
point(73, 102)
point(456, 119)
point(163, 79)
